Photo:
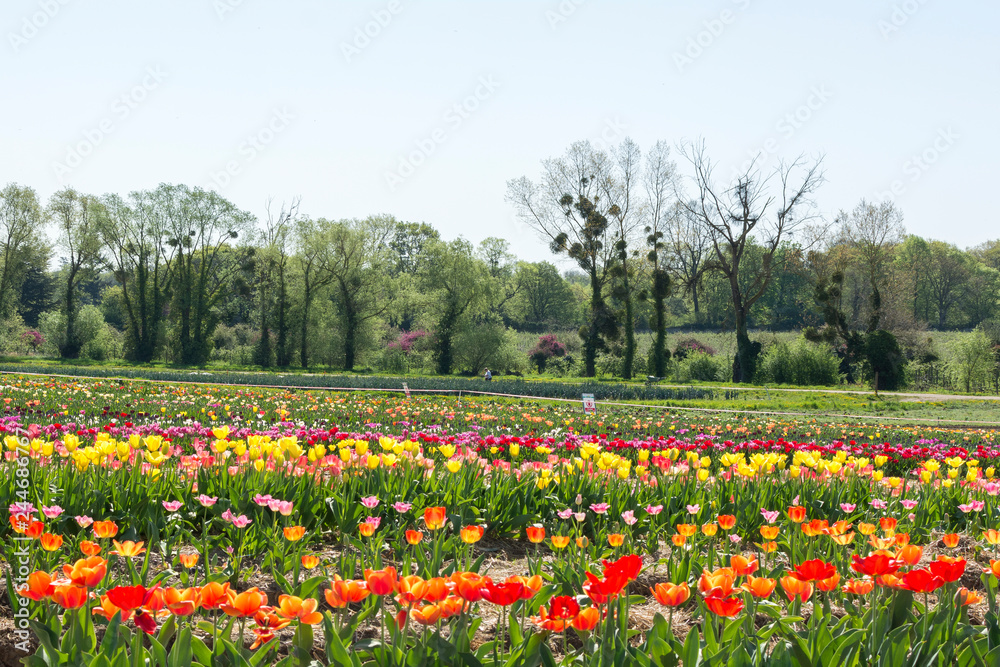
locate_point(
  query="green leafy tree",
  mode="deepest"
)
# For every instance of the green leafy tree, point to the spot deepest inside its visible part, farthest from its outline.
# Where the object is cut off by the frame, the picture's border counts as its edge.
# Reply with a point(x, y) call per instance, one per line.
point(21, 228)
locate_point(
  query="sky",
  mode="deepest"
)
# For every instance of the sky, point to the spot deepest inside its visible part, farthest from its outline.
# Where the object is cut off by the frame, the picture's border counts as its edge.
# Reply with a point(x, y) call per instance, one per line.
point(425, 109)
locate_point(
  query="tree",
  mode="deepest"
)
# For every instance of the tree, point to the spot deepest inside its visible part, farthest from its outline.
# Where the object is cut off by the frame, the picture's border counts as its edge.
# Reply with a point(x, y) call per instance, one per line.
point(311, 244)
point(545, 300)
point(502, 267)
point(567, 209)
point(409, 243)
point(740, 213)
point(972, 357)
point(658, 180)
point(874, 231)
point(21, 224)
point(355, 263)
point(201, 226)
point(271, 265)
point(77, 221)
point(455, 284)
point(686, 251)
point(947, 274)
point(617, 185)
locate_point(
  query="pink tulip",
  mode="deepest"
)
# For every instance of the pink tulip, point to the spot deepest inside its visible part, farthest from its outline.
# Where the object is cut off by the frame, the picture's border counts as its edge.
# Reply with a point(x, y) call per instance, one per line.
point(402, 507)
point(848, 507)
point(600, 508)
point(52, 511)
point(172, 505)
point(654, 509)
point(207, 501)
point(564, 514)
point(629, 518)
point(371, 502)
point(83, 521)
point(770, 517)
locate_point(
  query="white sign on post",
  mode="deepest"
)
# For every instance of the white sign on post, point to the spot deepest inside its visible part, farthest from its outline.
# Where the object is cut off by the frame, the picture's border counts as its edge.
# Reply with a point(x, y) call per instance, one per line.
point(406, 390)
point(589, 404)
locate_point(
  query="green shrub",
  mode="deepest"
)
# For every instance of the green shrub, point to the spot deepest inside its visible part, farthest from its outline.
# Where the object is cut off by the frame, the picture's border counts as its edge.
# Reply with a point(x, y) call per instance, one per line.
point(801, 363)
point(700, 366)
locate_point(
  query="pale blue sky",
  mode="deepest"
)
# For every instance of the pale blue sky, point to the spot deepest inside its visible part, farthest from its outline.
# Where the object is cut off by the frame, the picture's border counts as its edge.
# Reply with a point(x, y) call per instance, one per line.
point(170, 92)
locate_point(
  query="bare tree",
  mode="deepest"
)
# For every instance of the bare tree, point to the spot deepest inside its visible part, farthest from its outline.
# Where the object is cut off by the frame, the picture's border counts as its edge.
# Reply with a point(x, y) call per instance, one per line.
point(874, 231)
point(746, 212)
point(271, 265)
point(659, 182)
point(688, 249)
point(567, 208)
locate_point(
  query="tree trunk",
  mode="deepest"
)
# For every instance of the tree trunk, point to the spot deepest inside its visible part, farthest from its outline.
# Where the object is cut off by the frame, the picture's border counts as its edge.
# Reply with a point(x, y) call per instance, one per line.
point(304, 340)
point(350, 335)
point(591, 340)
point(71, 347)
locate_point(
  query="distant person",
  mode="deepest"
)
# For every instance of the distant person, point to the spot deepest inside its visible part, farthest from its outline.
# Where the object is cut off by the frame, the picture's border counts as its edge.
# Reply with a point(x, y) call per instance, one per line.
point(487, 375)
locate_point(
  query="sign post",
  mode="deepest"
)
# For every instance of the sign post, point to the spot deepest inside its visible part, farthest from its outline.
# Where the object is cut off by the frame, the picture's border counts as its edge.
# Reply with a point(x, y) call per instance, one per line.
point(406, 390)
point(589, 404)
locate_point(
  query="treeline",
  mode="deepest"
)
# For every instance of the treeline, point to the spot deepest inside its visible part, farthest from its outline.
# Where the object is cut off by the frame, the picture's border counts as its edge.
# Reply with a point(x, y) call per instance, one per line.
point(182, 275)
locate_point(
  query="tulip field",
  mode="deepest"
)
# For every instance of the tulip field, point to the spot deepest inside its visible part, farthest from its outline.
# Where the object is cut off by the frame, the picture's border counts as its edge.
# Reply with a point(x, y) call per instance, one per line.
point(165, 525)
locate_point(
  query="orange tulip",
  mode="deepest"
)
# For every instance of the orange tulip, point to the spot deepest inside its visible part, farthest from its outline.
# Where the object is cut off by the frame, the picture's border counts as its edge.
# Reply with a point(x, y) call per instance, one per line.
point(866, 529)
point(726, 521)
point(796, 588)
point(671, 595)
point(967, 597)
point(797, 513)
point(34, 529)
point(582, 542)
point(535, 534)
point(266, 624)
point(38, 586)
point(69, 597)
point(843, 540)
point(214, 595)
point(859, 586)
point(437, 590)
point(727, 607)
point(181, 602)
point(188, 560)
point(888, 524)
point(292, 608)
point(295, 533)
point(531, 584)
point(882, 542)
point(245, 604)
point(759, 587)
point(366, 529)
point(709, 529)
point(718, 583)
point(910, 554)
point(560, 541)
point(381, 582)
point(769, 532)
point(992, 536)
point(309, 561)
point(838, 528)
point(426, 615)
point(51, 542)
point(452, 606)
point(468, 586)
point(587, 619)
point(86, 572)
point(678, 540)
point(413, 537)
point(995, 567)
point(829, 584)
point(768, 547)
point(616, 539)
point(814, 570)
point(743, 566)
point(815, 527)
point(105, 529)
point(950, 540)
point(434, 517)
point(902, 539)
point(342, 593)
point(410, 589)
point(108, 609)
point(128, 548)
point(687, 529)
point(89, 548)
point(472, 534)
